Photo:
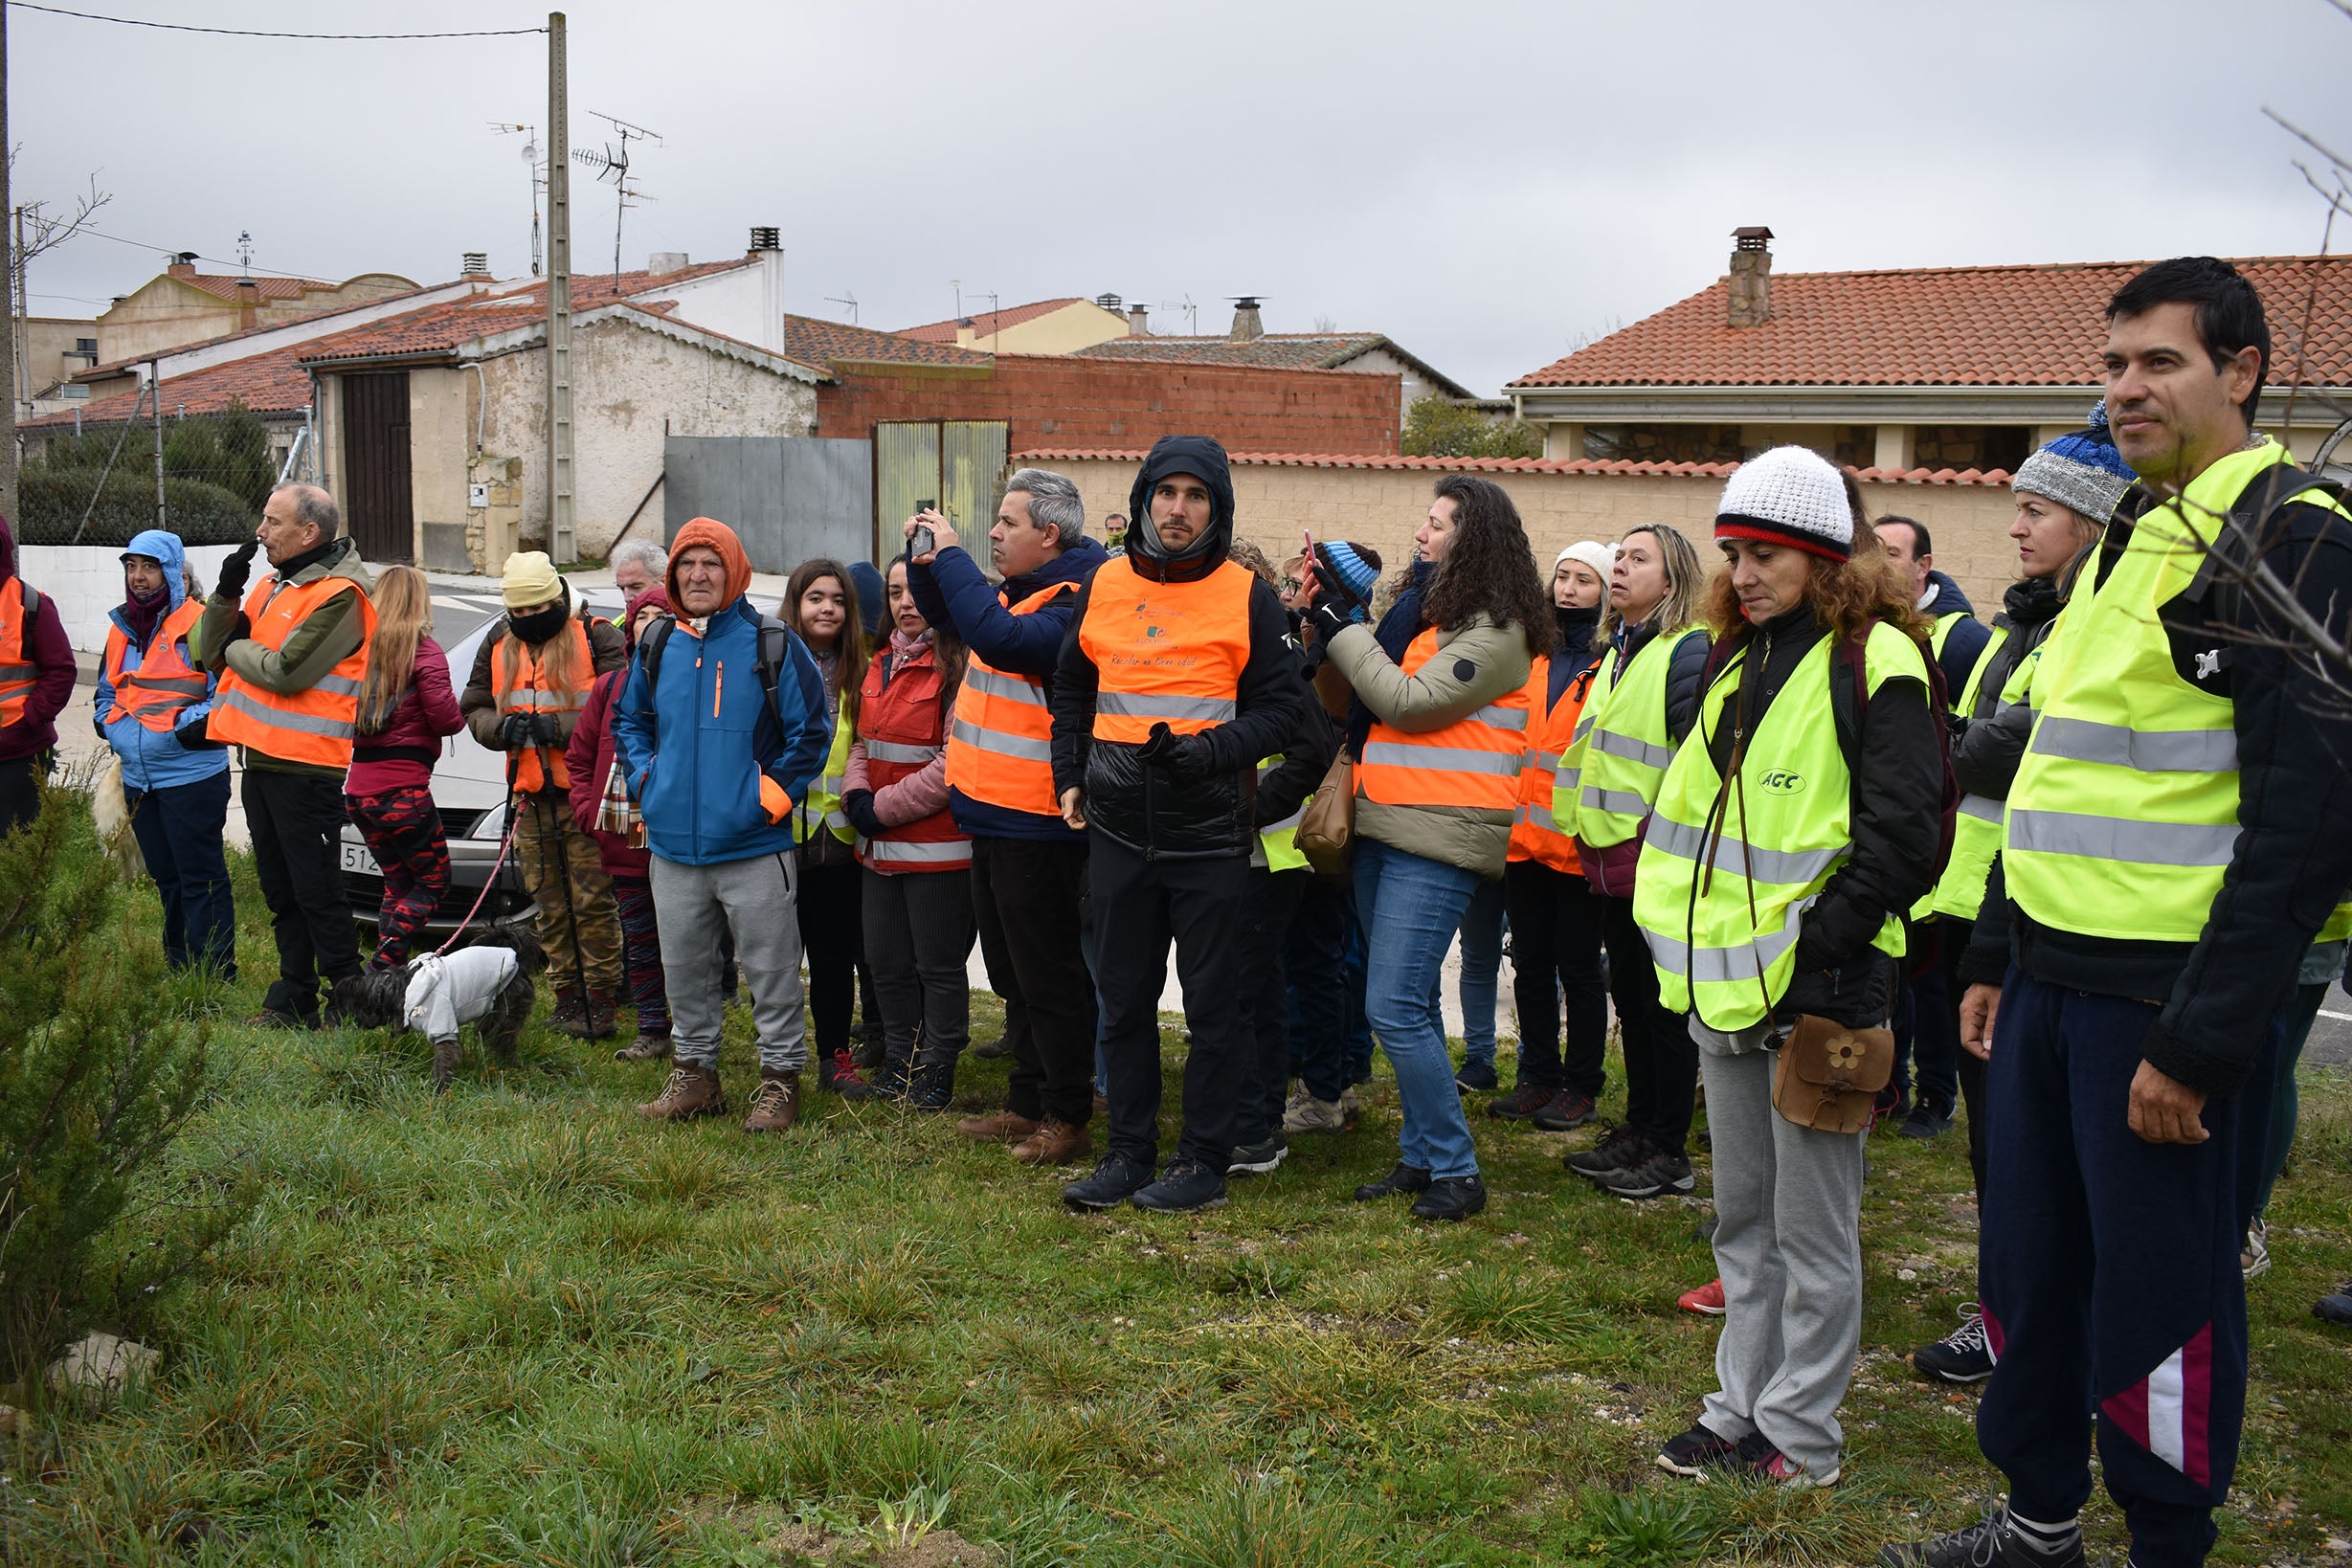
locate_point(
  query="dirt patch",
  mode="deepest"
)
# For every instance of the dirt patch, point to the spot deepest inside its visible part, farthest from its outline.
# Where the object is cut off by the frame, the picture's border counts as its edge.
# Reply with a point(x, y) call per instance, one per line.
point(798, 1545)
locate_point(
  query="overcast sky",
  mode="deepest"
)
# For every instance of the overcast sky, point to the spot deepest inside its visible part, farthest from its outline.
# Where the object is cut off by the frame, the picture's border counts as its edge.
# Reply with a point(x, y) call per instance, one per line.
point(1485, 182)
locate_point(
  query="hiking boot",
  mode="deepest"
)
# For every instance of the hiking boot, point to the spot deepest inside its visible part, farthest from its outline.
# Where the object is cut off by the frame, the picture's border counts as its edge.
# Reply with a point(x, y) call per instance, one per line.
point(1706, 1300)
point(2336, 1306)
point(1404, 1178)
point(1564, 1112)
point(837, 1075)
point(1964, 1356)
point(1451, 1197)
point(693, 1091)
point(1055, 1142)
point(1260, 1157)
point(1116, 1180)
point(593, 1018)
point(1622, 1147)
point(1000, 1127)
point(1314, 1115)
point(1475, 1077)
point(1994, 1542)
point(644, 1047)
point(1925, 1121)
point(775, 1104)
point(870, 1048)
point(1654, 1177)
point(446, 1055)
point(2254, 1257)
point(992, 1050)
point(274, 1018)
point(932, 1082)
point(1520, 1103)
point(1185, 1186)
point(1697, 1451)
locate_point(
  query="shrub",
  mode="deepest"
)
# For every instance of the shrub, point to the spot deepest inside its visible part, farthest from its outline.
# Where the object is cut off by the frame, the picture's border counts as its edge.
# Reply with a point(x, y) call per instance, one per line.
point(51, 501)
point(1436, 428)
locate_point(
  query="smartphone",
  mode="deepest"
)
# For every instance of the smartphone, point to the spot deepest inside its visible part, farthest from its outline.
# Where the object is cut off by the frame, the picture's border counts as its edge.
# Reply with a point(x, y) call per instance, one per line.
point(922, 542)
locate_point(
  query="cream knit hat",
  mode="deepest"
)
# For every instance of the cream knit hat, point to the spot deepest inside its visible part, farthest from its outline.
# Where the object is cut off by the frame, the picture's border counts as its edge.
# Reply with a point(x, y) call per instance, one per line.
point(1790, 495)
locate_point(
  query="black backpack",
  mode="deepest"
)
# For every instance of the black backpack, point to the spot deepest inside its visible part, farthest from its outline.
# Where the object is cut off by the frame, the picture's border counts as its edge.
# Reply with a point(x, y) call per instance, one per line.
point(775, 640)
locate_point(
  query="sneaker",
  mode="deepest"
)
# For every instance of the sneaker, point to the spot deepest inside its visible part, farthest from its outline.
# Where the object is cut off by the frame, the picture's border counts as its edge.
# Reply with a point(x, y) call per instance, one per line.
point(1654, 1177)
point(693, 1091)
point(1451, 1197)
point(644, 1048)
point(1778, 1467)
point(1993, 1542)
point(838, 1074)
point(1350, 1106)
point(1925, 1121)
point(1697, 1451)
point(1260, 1157)
point(1185, 1186)
point(1314, 1115)
point(1706, 1300)
point(1116, 1180)
point(775, 1104)
point(1404, 1178)
point(1964, 1356)
point(1521, 1102)
point(1622, 1147)
point(2336, 1306)
point(930, 1083)
point(1475, 1077)
point(1564, 1113)
point(2255, 1260)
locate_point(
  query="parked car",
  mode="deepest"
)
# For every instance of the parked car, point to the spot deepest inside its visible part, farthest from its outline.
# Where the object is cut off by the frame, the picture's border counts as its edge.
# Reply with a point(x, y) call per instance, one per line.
point(469, 790)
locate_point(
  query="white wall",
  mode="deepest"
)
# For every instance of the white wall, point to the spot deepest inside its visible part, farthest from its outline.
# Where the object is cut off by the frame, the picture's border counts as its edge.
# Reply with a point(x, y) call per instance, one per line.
point(86, 580)
point(746, 304)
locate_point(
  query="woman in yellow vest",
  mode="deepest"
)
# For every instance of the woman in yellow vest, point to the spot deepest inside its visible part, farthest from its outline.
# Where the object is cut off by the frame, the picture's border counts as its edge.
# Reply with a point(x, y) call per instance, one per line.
point(1437, 783)
point(1794, 827)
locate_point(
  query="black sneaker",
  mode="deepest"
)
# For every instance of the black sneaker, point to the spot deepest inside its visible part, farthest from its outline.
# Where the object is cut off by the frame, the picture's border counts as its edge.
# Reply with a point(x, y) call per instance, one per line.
point(1475, 1077)
point(1259, 1159)
point(1564, 1112)
point(1186, 1185)
point(1654, 1177)
point(1925, 1121)
point(2336, 1306)
point(1116, 1180)
point(1990, 1543)
point(1404, 1178)
point(1520, 1103)
point(1964, 1356)
point(1697, 1451)
point(1451, 1197)
point(1622, 1147)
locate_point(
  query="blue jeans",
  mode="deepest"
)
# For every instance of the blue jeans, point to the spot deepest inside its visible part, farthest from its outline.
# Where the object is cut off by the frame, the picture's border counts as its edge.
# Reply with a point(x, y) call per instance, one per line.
point(1482, 966)
point(1411, 907)
point(179, 832)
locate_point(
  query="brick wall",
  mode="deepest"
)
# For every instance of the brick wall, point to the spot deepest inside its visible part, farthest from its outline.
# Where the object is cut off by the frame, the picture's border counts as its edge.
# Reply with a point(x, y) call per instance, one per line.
point(1382, 507)
point(1055, 401)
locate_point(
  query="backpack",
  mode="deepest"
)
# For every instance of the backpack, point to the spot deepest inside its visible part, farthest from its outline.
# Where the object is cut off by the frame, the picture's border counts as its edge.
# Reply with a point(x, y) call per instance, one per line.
point(774, 639)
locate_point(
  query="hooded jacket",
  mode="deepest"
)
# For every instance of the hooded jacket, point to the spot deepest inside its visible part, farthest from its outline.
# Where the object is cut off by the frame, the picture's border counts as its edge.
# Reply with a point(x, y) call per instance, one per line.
point(952, 592)
point(52, 653)
point(1965, 642)
point(715, 768)
point(152, 761)
point(1145, 806)
point(326, 637)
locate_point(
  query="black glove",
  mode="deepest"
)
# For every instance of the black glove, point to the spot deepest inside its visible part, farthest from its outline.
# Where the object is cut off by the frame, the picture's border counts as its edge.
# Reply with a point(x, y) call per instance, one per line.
point(544, 731)
point(236, 569)
point(193, 736)
point(858, 805)
point(1185, 757)
point(514, 732)
point(1329, 620)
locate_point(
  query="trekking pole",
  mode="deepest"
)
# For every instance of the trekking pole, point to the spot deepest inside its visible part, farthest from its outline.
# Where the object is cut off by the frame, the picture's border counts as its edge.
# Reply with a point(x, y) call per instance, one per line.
point(572, 916)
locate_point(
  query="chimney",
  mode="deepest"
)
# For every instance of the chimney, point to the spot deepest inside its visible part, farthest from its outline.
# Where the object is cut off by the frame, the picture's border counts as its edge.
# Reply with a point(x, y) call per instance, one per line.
point(183, 265)
point(661, 264)
point(1751, 290)
point(476, 264)
point(967, 332)
point(1245, 322)
point(1137, 326)
point(763, 238)
point(1110, 302)
point(248, 303)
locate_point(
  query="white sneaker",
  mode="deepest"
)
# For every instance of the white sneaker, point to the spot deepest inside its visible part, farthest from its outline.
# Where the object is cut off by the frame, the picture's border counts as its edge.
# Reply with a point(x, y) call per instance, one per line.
point(1308, 1114)
point(1350, 1104)
point(2255, 1260)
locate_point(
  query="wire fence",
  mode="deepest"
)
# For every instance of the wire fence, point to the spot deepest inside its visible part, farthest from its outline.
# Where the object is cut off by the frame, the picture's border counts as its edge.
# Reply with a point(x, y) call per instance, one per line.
point(201, 476)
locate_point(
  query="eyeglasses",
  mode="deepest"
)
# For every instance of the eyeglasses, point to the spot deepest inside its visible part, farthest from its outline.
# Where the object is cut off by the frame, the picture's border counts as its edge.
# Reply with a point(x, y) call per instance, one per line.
point(1290, 585)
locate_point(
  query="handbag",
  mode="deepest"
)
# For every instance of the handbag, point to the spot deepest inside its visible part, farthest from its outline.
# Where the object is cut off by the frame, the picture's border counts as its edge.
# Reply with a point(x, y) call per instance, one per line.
point(1830, 1075)
point(1327, 825)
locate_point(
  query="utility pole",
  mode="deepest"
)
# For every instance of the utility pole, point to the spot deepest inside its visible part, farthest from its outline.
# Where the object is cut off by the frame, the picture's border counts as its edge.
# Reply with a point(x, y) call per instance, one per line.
point(560, 541)
point(8, 353)
point(155, 379)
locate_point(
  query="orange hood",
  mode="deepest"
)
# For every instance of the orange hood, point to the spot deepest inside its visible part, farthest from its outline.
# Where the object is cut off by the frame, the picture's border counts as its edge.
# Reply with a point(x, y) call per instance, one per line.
point(712, 535)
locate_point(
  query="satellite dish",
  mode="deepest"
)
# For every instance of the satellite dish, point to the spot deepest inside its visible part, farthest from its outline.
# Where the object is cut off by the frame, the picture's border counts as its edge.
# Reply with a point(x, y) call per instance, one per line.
point(530, 151)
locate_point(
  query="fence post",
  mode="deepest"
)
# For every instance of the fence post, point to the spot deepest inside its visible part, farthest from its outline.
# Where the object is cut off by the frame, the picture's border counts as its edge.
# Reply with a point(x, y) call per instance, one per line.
point(155, 378)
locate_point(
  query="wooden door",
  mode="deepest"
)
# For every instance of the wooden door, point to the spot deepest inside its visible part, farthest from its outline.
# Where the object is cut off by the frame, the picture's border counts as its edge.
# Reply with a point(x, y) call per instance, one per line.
point(375, 466)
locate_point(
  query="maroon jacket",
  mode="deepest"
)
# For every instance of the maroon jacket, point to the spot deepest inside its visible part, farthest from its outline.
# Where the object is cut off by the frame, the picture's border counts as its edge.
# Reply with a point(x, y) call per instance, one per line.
point(52, 653)
point(588, 759)
point(405, 750)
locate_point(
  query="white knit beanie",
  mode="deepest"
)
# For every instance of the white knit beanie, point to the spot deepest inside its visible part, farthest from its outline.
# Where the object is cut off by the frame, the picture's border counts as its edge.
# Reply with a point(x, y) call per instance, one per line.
point(1788, 496)
point(1600, 557)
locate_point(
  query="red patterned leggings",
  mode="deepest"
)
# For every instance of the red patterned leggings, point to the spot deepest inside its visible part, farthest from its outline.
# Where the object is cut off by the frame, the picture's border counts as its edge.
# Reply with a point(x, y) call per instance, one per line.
point(403, 831)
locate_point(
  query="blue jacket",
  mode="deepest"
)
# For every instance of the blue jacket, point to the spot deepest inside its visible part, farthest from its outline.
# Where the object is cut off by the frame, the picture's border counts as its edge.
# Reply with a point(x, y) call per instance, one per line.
point(1965, 644)
point(696, 750)
point(152, 761)
point(952, 592)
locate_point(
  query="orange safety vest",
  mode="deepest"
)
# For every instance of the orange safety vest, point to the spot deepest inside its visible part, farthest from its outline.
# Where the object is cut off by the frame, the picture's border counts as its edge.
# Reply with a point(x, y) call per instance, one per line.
point(1475, 761)
point(1000, 745)
point(518, 680)
point(1533, 835)
point(313, 726)
point(899, 724)
point(1165, 653)
point(17, 671)
point(164, 685)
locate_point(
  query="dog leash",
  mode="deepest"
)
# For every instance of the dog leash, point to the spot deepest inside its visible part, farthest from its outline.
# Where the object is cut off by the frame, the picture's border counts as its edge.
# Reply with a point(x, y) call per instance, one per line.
point(488, 882)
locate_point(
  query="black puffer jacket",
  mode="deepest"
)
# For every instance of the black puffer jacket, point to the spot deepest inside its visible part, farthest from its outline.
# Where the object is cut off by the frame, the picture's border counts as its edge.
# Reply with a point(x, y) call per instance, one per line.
point(1990, 743)
point(1147, 807)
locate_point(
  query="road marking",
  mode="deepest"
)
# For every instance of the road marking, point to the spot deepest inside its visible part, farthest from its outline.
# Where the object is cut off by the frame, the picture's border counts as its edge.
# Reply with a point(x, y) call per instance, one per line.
point(2340, 1017)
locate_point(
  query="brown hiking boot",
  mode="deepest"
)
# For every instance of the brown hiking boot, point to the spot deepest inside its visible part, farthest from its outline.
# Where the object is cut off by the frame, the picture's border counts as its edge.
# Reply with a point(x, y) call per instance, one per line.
point(644, 1048)
point(446, 1055)
point(596, 1018)
point(777, 1104)
point(1055, 1142)
point(998, 1127)
point(692, 1091)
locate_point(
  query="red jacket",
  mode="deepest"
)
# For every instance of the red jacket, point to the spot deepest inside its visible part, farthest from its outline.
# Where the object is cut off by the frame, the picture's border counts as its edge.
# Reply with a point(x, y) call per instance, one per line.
point(53, 655)
point(405, 750)
point(587, 759)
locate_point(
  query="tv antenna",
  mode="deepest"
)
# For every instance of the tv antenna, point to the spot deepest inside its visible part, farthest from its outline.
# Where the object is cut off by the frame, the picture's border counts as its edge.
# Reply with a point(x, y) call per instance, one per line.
point(538, 178)
point(244, 250)
point(848, 298)
point(1192, 314)
point(612, 164)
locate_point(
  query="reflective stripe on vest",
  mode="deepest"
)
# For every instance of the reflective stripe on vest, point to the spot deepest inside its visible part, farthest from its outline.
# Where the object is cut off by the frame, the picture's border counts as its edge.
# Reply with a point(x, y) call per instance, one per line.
point(821, 811)
point(1475, 762)
point(518, 675)
point(2124, 813)
point(163, 685)
point(312, 727)
point(1618, 757)
point(1278, 842)
point(930, 854)
point(1000, 743)
point(881, 750)
point(1165, 653)
point(899, 723)
point(18, 670)
point(1535, 833)
point(1714, 933)
point(1976, 832)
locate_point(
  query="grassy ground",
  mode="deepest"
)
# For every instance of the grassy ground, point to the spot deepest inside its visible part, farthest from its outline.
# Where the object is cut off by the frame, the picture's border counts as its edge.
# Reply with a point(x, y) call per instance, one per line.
point(515, 1325)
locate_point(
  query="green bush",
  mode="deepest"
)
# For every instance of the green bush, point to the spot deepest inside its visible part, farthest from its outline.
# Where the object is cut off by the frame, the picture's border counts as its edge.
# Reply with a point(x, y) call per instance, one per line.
point(51, 502)
point(1436, 428)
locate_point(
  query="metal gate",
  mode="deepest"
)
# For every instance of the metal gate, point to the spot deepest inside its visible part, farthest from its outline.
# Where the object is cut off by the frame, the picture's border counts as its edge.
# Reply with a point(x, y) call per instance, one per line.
point(787, 497)
point(375, 465)
point(959, 464)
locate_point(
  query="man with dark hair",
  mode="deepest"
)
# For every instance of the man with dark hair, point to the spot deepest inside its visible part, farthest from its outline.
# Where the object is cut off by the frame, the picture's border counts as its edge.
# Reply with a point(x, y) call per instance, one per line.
point(1959, 638)
point(2173, 841)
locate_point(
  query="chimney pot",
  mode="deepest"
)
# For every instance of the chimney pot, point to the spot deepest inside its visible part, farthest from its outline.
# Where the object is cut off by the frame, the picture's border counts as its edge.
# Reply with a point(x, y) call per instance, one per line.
point(764, 238)
point(476, 264)
point(1137, 321)
point(1246, 324)
point(661, 264)
point(183, 265)
point(1748, 299)
point(1110, 302)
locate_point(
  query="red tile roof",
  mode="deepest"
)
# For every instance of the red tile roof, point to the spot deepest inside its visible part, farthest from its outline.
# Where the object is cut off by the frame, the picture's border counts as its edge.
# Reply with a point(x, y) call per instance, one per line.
point(225, 288)
point(1619, 467)
point(2002, 327)
point(985, 322)
point(815, 342)
point(271, 383)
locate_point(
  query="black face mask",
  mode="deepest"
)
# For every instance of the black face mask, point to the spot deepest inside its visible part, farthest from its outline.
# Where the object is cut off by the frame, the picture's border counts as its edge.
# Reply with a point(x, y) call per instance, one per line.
point(540, 626)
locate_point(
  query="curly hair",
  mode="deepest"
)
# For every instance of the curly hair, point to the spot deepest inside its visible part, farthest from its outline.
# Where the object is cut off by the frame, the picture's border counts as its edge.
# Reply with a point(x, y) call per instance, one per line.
point(1489, 569)
point(1844, 595)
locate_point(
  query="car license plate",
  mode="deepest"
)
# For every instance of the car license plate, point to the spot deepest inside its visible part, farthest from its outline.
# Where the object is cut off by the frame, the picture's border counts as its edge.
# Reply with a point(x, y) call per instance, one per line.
point(355, 858)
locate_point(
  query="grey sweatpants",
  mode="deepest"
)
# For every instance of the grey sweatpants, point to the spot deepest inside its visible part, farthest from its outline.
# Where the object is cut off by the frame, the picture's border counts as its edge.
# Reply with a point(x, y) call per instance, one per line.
point(692, 904)
point(1788, 1243)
